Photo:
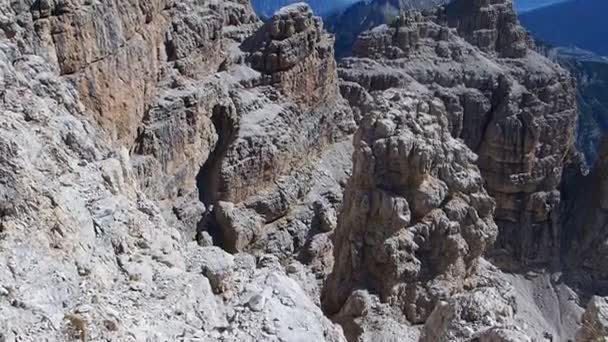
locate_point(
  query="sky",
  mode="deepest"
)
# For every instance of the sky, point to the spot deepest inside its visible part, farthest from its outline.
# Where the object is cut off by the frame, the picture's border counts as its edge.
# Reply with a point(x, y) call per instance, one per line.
point(527, 5)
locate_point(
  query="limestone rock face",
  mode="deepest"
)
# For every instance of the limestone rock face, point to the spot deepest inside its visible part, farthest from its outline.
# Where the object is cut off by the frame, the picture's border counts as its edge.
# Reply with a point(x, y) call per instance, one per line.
point(115, 53)
point(490, 25)
point(184, 123)
point(111, 51)
point(415, 216)
point(239, 227)
point(110, 111)
point(283, 133)
point(514, 109)
point(295, 53)
point(481, 315)
point(595, 321)
point(277, 126)
point(81, 243)
point(133, 63)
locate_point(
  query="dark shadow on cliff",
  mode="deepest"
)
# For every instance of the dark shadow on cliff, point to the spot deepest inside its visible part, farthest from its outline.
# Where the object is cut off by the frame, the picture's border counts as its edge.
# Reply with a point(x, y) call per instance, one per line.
point(208, 179)
point(584, 222)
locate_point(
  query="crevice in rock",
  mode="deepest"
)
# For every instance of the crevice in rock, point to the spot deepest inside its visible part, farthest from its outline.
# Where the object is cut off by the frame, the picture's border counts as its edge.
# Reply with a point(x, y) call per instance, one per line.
point(580, 217)
point(210, 225)
point(208, 178)
point(572, 181)
point(170, 50)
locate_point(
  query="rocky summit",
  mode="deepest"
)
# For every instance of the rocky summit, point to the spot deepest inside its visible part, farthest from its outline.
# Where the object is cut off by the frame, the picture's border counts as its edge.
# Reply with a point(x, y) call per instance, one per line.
point(184, 171)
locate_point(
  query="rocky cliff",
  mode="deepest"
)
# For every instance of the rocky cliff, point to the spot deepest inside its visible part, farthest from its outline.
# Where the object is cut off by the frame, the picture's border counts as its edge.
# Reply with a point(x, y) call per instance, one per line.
point(507, 103)
point(416, 217)
point(459, 119)
point(591, 73)
point(266, 8)
point(183, 171)
point(585, 225)
point(364, 15)
point(114, 116)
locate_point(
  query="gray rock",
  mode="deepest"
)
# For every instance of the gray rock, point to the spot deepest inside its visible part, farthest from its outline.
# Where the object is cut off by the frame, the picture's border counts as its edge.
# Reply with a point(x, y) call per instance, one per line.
point(494, 90)
point(130, 129)
point(215, 264)
point(484, 314)
point(380, 243)
point(98, 197)
point(239, 227)
point(595, 321)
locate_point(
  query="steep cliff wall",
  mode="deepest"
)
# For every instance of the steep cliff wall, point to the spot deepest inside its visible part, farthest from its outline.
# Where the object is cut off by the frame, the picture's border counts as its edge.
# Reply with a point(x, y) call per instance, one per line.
point(511, 106)
point(110, 113)
point(463, 129)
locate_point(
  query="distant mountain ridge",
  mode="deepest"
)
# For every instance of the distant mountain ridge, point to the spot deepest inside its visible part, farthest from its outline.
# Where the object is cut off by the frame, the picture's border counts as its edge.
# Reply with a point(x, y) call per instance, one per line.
point(266, 8)
point(573, 33)
point(577, 23)
point(361, 16)
point(591, 73)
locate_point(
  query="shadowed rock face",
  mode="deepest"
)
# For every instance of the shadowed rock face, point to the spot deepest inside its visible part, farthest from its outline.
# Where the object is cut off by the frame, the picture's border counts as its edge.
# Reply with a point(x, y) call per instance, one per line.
point(585, 226)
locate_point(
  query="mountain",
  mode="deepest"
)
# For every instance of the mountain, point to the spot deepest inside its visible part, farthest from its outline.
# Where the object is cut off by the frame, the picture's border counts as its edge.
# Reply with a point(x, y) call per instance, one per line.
point(591, 73)
point(266, 8)
point(572, 33)
point(361, 16)
point(577, 23)
point(184, 171)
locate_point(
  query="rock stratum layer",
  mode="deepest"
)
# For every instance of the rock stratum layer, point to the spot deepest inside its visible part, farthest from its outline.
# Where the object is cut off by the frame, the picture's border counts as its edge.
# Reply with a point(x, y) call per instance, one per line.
point(183, 171)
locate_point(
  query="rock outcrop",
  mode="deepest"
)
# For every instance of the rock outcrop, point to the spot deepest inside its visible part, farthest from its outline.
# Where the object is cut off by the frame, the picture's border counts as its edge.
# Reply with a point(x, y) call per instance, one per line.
point(595, 321)
point(511, 106)
point(295, 113)
point(482, 315)
point(463, 127)
point(492, 26)
point(365, 15)
point(416, 217)
point(86, 255)
point(117, 122)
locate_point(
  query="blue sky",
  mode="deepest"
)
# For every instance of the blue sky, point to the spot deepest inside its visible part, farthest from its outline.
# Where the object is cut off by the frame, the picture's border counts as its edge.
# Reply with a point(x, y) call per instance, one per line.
point(526, 5)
